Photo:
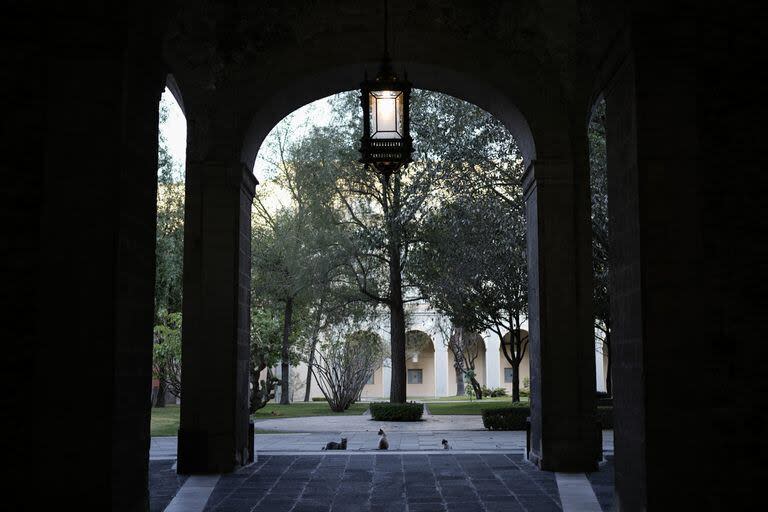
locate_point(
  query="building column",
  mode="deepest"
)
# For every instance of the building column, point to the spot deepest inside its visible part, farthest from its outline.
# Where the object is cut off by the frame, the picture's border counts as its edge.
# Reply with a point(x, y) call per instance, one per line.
point(599, 371)
point(213, 436)
point(492, 360)
point(441, 369)
point(386, 378)
point(659, 306)
point(564, 436)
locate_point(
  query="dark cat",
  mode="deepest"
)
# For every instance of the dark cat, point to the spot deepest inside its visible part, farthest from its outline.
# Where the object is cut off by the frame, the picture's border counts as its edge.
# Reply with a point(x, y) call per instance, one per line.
point(446, 446)
point(333, 445)
point(383, 442)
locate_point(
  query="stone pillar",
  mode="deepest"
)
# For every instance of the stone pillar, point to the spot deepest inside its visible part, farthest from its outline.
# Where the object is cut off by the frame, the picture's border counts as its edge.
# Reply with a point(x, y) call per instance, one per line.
point(563, 431)
point(599, 370)
point(215, 334)
point(492, 360)
point(660, 326)
point(386, 378)
point(441, 369)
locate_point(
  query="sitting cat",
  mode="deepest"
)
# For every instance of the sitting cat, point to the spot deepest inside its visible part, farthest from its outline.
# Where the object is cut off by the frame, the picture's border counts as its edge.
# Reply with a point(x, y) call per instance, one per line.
point(383, 442)
point(333, 445)
point(446, 446)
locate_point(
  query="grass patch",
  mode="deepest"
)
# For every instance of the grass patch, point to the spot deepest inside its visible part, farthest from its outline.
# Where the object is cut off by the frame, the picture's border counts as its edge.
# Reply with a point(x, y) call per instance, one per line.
point(468, 407)
point(165, 421)
point(303, 409)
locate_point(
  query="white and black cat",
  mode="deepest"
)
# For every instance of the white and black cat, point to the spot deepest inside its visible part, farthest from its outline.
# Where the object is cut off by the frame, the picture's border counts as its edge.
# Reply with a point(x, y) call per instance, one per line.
point(383, 442)
point(333, 445)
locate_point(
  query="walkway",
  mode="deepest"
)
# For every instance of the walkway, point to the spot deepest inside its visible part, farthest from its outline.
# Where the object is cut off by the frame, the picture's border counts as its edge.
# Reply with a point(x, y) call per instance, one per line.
point(483, 471)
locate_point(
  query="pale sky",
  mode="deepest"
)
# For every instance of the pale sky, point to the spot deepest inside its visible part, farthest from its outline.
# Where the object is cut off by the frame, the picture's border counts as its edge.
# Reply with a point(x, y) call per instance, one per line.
point(317, 113)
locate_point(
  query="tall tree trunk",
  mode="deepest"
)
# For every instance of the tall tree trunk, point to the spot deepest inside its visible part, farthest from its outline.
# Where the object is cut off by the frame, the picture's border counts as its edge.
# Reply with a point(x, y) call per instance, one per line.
point(161, 388)
point(459, 380)
point(284, 368)
point(309, 369)
point(516, 380)
point(397, 393)
point(397, 390)
point(477, 388)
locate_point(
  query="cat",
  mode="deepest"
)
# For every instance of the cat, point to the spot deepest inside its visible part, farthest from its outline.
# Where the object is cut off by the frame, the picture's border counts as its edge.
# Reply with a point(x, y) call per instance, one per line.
point(333, 445)
point(446, 446)
point(383, 442)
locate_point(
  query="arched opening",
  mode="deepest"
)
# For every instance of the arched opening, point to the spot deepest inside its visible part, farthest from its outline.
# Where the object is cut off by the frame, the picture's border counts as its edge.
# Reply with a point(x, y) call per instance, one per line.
point(420, 364)
point(169, 260)
point(474, 165)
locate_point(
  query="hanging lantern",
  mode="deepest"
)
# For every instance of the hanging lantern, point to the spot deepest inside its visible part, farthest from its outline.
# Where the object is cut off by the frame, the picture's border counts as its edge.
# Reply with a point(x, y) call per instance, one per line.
point(386, 143)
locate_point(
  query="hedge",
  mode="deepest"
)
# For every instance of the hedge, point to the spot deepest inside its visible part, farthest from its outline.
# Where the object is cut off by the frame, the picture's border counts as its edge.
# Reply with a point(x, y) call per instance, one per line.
point(513, 418)
point(319, 399)
point(508, 418)
point(385, 411)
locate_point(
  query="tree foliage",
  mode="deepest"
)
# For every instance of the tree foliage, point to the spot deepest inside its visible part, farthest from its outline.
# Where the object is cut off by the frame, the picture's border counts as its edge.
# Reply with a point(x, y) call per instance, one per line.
point(598, 180)
point(168, 267)
point(166, 353)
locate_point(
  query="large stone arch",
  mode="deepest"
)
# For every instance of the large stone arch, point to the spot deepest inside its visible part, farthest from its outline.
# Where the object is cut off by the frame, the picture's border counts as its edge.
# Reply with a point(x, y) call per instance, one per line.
point(309, 88)
point(241, 85)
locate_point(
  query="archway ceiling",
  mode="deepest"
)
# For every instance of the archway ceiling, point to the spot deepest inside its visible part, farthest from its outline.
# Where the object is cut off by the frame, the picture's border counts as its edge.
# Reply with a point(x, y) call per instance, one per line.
point(240, 60)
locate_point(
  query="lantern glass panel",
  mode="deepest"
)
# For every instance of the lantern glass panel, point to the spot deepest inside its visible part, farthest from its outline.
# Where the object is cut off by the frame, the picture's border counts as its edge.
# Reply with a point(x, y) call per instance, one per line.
point(386, 113)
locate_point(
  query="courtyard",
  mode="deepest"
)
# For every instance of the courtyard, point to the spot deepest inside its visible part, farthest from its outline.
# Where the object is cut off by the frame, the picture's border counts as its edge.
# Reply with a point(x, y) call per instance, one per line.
point(483, 470)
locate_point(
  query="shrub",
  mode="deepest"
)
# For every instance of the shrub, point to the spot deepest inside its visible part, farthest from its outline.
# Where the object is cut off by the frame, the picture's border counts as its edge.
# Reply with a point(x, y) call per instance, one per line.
point(513, 418)
point(508, 418)
point(384, 411)
point(493, 392)
point(498, 392)
point(319, 399)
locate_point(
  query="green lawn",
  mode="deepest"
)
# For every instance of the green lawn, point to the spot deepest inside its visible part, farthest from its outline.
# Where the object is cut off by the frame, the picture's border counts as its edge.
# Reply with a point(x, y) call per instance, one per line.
point(165, 420)
point(301, 409)
point(467, 407)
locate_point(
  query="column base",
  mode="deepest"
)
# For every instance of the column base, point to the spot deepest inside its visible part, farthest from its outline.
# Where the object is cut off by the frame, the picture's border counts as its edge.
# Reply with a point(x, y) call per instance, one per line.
point(204, 452)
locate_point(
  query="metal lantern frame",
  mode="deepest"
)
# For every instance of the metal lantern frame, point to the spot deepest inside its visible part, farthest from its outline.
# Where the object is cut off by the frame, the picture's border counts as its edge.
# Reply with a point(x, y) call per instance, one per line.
point(387, 155)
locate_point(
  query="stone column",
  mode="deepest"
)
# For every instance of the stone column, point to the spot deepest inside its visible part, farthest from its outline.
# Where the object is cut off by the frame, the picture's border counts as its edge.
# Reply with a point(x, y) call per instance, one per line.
point(441, 369)
point(658, 301)
point(492, 360)
point(215, 335)
point(563, 431)
point(386, 378)
point(599, 371)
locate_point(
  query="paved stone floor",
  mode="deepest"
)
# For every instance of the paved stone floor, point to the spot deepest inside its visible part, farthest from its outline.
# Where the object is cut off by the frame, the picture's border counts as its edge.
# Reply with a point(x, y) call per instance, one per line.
point(483, 440)
point(392, 482)
point(602, 484)
point(164, 483)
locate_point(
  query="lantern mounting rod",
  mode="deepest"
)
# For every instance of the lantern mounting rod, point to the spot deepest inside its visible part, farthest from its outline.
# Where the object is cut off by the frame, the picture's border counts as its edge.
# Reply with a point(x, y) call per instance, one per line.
point(386, 29)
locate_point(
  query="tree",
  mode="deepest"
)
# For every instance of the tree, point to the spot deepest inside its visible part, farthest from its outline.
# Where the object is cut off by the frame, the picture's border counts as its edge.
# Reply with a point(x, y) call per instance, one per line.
point(472, 266)
point(266, 341)
point(344, 363)
point(298, 260)
point(382, 213)
point(598, 180)
point(166, 356)
point(465, 347)
point(168, 264)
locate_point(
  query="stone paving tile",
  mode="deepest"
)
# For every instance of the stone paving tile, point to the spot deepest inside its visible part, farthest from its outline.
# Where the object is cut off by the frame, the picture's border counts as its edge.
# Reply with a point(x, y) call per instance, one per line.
point(602, 484)
point(387, 483)
point(164, 483)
